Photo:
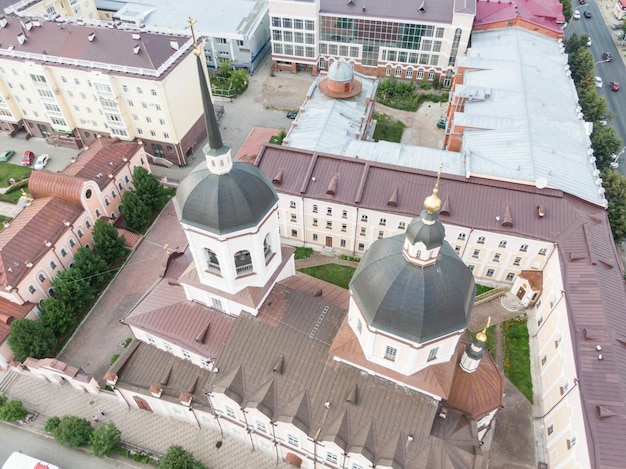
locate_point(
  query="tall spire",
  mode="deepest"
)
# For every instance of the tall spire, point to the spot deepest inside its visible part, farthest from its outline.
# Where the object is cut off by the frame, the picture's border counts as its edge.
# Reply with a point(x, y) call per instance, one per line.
point(213, 131)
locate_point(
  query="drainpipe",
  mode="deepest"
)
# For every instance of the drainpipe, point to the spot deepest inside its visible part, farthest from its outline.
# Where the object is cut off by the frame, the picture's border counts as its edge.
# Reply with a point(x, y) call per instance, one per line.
point(317, 434)
point(562, 397)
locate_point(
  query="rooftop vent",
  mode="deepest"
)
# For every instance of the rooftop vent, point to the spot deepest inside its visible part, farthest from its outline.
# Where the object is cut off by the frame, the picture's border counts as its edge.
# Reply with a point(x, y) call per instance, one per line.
point(92, 36)
point(136, 49)
point(3, 22)
point(28, 25)
point(21, 38)
point(174, 45)
point(136, 36)
point(36, 23)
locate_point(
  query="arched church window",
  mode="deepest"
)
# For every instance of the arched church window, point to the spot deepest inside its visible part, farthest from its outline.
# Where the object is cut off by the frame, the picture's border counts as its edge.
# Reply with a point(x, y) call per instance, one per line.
point(267, 248)
point(243, 263)
point(213, 264)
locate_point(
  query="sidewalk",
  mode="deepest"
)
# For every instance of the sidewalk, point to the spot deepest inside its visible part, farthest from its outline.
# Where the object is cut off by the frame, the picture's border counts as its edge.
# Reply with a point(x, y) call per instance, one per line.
point(139, 428)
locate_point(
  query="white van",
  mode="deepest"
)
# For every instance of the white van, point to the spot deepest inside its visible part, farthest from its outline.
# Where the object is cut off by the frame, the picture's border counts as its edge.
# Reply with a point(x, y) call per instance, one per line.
point(22, 461)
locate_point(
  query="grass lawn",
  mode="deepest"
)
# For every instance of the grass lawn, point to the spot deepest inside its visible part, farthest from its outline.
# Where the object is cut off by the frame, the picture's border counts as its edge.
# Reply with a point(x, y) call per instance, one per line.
point(388, 129)
point(480, 289)
point(517, 356)
point(339, 275)
point(303, 253)
point(3, 219)
point(8, 171)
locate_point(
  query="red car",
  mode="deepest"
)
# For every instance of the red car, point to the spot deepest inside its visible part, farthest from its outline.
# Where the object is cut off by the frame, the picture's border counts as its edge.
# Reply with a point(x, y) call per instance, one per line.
point(614, 85)
point(27, 158)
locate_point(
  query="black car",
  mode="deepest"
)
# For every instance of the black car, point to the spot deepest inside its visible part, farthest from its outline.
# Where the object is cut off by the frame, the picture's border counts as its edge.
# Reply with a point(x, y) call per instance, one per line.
point(607, 56)
point(292, 115)
point(587, 14)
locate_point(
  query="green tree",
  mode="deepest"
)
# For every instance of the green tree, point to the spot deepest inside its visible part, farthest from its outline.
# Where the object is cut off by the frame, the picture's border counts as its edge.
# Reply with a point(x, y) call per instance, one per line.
point(72, 289)
point(148, 188)
point(605, 143)
point(593, 104)
point(57, 316)
point(108, 244)
point(178, 457)
point(105, 439)
point(29, 338)
point(72, 431)
point(136, 213)
point(51, 424)
point(239, 81)
point(3, 399)
point(225, 68)
point(615, 192)
point(12, 410)
point(567, 9)
point(91, 266)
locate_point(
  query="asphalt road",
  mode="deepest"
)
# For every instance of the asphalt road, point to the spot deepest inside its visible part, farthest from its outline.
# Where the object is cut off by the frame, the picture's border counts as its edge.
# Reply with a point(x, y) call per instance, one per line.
point(602, 40)
point(37, 446)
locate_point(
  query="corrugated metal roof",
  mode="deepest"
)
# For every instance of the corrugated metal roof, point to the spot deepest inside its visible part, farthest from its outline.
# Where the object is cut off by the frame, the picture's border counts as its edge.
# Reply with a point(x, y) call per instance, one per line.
point(328, 124)
point(528, 124)
point(590, 263)
point(218, 16)
point(366, 412)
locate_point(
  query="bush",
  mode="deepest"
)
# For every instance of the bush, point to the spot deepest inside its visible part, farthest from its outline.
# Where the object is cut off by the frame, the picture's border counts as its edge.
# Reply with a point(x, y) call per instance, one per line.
point(12, 410)
point(114, 358)
point(178, 457)
point(72, 431)
point(105, 439)
point(52, 424)
point(303, 253)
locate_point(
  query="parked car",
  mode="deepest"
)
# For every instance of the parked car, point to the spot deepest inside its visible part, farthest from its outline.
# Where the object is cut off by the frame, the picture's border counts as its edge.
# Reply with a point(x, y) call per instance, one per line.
point(28, 158)
point(42, 161)
point(607, 56)
point(6, 155)
point(614, 85)
point(598, 82)
point(576, 14)
point(587, 14)
point(582, 2)
point(588, 42)
point(292, 115)
point(616, 26)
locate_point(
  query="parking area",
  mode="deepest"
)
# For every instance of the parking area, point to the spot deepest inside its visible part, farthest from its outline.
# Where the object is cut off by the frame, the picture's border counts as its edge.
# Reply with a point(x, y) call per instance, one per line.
point(59, 157)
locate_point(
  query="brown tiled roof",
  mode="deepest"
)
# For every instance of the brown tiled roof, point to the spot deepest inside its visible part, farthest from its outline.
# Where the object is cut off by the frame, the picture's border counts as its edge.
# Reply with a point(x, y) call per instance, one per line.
point(476, 393)
point(190, 325)
point(142, 366)
point(287, 326)
point(48, 184)
point(105, 156)
point(534, 277)
point(10, 312)
point(110, 46)
point(592, 271)
point(25, 239)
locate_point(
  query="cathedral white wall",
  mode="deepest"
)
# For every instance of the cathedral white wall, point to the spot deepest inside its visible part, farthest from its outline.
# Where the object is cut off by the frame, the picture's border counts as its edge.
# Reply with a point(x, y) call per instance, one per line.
point(410, 357)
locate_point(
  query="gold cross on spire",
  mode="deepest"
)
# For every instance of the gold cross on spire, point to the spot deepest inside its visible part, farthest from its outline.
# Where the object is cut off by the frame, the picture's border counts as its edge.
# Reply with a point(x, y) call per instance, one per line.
point(432, 202)
point(196, 48)
point(482, 335)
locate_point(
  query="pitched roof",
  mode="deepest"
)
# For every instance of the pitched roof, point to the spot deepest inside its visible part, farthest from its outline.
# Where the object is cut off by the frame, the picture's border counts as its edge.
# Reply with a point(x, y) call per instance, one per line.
point(104, 157)
point(440, 11)
point(10, 312)
point(547, 15)
point(24, 240)
point(112, 50)
point(362, 408)
point(591, 267)
point(142, 366)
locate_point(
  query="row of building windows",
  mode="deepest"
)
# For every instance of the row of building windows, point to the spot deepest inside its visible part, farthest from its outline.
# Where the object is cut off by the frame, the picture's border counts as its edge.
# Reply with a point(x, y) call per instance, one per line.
point(293, 23)
point(391, 353)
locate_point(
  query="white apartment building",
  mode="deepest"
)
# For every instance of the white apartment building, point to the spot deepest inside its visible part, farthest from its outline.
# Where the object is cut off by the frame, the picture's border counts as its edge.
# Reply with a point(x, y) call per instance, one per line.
point(411, 40)
point(72, 81)
point(54, 8)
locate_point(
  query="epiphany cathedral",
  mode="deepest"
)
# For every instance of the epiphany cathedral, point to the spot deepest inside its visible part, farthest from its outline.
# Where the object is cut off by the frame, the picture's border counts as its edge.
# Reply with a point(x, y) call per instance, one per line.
point(380, 376)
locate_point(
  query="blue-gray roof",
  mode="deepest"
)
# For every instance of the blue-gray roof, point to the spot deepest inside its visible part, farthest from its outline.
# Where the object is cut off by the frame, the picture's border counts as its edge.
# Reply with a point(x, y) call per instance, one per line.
point(412, 302)
point(225, 203)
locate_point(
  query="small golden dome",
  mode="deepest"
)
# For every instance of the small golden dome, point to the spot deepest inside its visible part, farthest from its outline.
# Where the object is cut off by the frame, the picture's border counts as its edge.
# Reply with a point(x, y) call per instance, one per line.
point(433, 202)
point(481, 337)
